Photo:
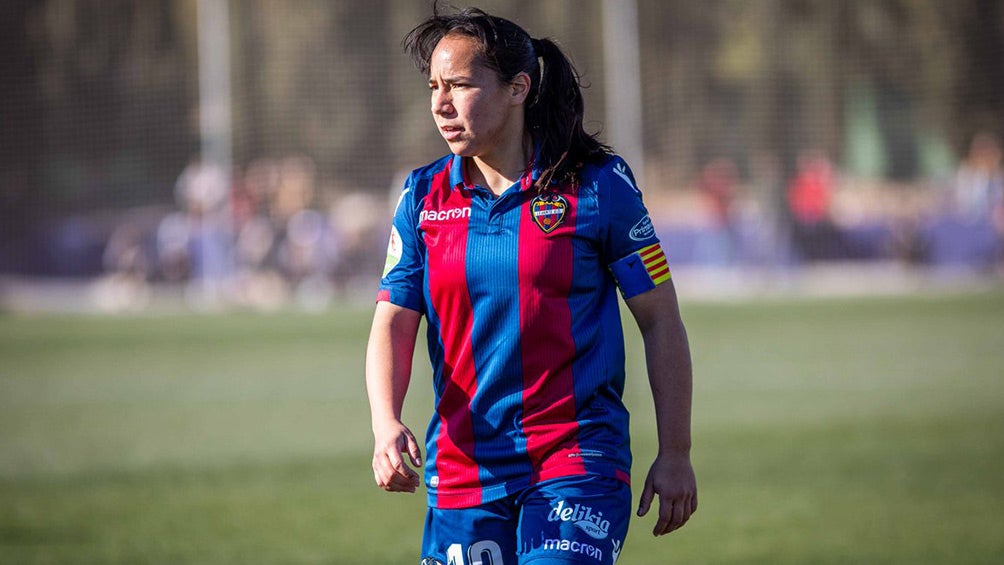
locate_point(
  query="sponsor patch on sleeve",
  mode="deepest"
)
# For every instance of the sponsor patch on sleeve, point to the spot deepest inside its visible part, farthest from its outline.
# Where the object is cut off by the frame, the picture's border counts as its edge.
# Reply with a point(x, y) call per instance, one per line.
point(642, 230)
point(641, 271)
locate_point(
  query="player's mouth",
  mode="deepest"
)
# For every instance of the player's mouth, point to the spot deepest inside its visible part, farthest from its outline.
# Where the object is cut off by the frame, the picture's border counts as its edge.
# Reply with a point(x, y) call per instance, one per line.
point(451, 133)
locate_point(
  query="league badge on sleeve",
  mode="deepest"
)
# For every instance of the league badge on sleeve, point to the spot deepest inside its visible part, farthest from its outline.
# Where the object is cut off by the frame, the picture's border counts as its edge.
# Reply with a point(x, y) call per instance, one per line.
point(394, 251)
point(548, 211)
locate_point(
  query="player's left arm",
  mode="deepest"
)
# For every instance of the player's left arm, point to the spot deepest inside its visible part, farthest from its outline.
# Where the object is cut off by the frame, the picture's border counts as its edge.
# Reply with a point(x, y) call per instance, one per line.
point(667, 356)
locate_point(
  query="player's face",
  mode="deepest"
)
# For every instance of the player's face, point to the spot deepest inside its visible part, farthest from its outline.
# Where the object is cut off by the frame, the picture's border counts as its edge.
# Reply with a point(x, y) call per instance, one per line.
point(474, 111)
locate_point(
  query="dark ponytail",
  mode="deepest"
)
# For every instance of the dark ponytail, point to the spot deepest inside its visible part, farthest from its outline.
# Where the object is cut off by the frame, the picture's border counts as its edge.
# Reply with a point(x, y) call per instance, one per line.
point(554, 117)
point(554, 107)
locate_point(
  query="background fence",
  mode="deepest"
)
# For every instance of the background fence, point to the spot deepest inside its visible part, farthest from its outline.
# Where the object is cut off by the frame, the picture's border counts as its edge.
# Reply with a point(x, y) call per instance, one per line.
point(772, 133)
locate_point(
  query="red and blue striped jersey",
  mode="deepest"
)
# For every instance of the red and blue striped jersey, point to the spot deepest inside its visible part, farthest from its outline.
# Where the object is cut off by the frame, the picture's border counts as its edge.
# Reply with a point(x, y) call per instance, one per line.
point(519, 293)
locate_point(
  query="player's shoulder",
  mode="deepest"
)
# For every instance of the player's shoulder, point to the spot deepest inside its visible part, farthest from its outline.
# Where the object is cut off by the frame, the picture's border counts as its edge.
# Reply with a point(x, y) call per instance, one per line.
point(421, 178)
point(611, 175)
point(419, 183)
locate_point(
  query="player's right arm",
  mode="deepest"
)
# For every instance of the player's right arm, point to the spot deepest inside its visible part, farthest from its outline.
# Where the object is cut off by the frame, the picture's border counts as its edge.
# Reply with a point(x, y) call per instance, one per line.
point(388, 371)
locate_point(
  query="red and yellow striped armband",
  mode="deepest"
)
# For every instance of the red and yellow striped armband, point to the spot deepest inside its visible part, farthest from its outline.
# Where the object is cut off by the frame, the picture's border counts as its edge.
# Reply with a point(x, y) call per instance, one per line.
point(641, 271)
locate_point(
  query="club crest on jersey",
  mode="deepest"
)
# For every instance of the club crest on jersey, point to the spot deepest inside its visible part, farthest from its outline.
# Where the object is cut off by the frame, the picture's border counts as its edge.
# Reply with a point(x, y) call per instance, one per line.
point(548, 210)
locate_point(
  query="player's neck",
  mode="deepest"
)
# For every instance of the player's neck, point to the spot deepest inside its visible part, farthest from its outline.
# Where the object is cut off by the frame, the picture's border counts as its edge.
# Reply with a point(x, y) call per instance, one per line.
point(499, 170)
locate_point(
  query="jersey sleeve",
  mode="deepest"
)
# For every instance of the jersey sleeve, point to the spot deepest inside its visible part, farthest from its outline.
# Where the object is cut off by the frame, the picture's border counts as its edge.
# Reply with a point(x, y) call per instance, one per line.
point(404, 269)
point(635, 256)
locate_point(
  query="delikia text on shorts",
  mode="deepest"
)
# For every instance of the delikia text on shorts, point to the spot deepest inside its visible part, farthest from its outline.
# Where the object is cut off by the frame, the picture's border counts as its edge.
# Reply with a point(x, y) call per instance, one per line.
point(582, 517)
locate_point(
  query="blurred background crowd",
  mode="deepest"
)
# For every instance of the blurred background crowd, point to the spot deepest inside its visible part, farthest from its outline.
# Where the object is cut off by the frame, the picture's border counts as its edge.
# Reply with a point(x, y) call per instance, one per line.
point(248, 153)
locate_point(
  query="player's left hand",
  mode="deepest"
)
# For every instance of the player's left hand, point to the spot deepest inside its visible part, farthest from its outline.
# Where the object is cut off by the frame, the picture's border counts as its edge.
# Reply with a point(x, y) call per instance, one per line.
point(390, 471)
point(672, 478)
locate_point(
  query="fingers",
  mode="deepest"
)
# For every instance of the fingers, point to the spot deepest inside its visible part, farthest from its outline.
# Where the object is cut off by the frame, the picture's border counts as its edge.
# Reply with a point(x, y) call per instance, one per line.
point(393, 476)
point(396, 463)
point(673, 514)
point(672, 478)
point(665, 517)
point(403, 483)
point(391, 472)
point(681, 513)
point(414, 452)
point(647, 494)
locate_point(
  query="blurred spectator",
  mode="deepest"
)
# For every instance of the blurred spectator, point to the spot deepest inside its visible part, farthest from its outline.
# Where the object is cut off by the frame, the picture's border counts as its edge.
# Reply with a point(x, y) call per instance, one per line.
point(359, 222)
point(203, 191)
point(769, 232)
point(173, 260)
point(811, 191)
point(979, 182)
point(979, 189)
point(810, 196)
point(969, 231)
point(294, 190)
point(717, 184)
point(124, 285)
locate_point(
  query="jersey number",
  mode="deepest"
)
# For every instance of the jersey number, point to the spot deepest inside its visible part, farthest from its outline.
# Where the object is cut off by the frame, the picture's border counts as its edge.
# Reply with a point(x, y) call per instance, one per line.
point(484, 552)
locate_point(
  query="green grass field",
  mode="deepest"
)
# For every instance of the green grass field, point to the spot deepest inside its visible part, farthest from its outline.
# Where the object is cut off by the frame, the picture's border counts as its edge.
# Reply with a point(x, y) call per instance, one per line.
point(826, 431)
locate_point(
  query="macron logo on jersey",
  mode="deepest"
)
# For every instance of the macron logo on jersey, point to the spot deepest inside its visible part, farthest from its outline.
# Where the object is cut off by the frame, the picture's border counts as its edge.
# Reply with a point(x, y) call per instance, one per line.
point(443, 215)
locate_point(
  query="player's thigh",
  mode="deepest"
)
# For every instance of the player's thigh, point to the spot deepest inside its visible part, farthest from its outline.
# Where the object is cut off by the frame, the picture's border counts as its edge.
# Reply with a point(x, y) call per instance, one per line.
point(483, 535)
point(574, 520)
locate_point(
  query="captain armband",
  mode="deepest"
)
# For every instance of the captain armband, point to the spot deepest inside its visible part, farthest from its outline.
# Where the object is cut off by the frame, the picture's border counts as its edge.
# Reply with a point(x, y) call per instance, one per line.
point(641, 271)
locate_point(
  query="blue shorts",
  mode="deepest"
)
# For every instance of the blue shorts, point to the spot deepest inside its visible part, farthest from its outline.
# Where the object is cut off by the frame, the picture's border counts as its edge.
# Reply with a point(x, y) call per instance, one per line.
point(559, 521)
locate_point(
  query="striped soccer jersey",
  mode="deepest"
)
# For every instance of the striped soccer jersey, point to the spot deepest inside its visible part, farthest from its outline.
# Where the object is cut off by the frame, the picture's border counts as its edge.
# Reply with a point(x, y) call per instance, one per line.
point(519, 293)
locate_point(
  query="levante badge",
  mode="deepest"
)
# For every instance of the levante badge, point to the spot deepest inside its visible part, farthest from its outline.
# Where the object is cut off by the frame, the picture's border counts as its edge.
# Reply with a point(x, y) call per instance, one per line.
point(548, 210)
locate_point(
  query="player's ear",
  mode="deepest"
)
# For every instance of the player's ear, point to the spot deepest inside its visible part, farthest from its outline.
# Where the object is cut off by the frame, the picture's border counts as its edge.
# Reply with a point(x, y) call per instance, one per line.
point(520, 88)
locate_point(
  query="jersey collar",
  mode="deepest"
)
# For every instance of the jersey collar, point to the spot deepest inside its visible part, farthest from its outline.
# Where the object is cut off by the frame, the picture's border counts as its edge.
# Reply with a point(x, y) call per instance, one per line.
point(530, 176)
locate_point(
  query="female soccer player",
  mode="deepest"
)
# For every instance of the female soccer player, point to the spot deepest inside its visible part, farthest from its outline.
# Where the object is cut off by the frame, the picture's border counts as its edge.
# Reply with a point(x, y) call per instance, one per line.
point(513, 248)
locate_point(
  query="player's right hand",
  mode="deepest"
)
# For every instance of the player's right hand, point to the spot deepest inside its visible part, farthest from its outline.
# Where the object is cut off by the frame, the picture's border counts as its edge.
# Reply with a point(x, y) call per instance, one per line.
point(391, 472)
